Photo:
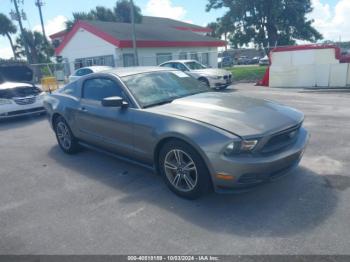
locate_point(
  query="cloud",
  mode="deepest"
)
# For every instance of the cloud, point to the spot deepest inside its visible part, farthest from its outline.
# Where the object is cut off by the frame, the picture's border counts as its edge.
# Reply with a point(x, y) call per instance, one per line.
point(53, 25)
point(334, 22)
point(165, 8)
point(6, 53)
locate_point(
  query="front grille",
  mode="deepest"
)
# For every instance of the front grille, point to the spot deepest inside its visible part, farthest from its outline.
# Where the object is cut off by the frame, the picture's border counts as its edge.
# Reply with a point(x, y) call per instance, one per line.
point(281, 140)
point(24, 101)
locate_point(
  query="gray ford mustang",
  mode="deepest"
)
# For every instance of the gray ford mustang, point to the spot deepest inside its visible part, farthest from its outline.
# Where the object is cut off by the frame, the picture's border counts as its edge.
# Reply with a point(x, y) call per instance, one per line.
point(165, 119)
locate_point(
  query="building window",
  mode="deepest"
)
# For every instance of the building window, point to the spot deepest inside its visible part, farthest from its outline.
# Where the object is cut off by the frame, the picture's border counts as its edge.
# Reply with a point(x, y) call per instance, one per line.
point(107, 60)
point(128, 60)
point(164, 57)
point(183, 56)
point(205, 59)
point(194, 56)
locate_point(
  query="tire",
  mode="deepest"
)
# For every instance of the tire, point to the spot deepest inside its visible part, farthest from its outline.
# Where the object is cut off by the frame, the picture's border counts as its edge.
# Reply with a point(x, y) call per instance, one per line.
point(222, 87)
point(65, 138)
point(204, 81)
point(191, 182)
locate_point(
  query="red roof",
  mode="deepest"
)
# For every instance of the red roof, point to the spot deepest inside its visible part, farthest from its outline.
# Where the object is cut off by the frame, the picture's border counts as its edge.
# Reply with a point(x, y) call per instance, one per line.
point(96, 29)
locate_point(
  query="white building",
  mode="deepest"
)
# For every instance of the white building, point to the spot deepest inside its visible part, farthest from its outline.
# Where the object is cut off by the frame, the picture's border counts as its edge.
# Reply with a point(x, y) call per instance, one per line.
point(108, 43)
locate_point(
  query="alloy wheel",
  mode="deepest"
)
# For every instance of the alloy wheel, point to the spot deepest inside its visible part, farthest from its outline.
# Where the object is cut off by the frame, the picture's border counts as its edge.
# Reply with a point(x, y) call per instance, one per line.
point(181, 170)
point(63, 135)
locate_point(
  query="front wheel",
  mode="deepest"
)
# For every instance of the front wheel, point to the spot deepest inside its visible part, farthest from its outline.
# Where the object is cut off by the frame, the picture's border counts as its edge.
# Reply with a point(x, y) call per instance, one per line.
point(183, 170)
point(65, 138)
point(204, 82)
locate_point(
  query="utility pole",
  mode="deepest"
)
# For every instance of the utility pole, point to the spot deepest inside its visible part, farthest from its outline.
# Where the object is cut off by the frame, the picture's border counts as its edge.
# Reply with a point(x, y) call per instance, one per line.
point(39, 4)
point(134, 33)
point(18, 16)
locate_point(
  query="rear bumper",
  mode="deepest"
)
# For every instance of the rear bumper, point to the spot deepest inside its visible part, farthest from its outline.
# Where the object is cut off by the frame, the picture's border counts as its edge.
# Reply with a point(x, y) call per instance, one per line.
point(249, 171)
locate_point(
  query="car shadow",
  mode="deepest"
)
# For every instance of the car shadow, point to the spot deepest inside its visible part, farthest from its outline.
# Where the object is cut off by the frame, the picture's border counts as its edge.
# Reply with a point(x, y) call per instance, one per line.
point(19, 122)
point(298, 202)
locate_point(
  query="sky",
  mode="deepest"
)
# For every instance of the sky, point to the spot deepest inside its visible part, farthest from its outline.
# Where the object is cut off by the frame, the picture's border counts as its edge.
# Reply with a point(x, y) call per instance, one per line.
point(331, 17)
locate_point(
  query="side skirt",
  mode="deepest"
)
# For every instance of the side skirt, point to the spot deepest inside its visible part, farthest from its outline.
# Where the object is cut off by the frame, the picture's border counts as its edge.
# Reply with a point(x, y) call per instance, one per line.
point(119, 157)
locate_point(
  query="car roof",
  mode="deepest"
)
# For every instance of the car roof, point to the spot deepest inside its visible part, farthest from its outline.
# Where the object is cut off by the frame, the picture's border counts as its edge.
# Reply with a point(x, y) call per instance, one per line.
point(127, 71)
point(9, 85)
point(96, 68)
point(180, 61)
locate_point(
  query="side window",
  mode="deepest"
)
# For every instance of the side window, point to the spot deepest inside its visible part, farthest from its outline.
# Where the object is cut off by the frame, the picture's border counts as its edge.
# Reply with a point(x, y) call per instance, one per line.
point(181, 67)
point(168, 65)
point(87, 71)
point(79, 72)
point(99, 88)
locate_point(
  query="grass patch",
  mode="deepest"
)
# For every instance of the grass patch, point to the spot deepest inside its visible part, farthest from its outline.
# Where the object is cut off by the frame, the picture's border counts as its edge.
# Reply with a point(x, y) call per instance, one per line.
point(247, 73)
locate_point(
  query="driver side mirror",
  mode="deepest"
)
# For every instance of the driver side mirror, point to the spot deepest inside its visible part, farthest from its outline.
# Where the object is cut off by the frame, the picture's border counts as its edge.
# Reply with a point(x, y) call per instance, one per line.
point(114, 101)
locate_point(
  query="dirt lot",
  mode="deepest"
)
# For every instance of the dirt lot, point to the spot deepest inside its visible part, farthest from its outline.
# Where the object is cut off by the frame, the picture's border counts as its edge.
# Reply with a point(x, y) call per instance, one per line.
point(51, 203)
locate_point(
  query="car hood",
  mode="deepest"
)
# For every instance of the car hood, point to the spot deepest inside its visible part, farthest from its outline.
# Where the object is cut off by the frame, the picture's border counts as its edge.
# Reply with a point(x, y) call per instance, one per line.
point(15, 72)
point(237, 114)
point(211, 72)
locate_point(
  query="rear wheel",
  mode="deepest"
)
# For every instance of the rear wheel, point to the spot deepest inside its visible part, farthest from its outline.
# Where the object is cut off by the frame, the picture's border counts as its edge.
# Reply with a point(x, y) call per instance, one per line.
point(183, 170)
point(65, 138)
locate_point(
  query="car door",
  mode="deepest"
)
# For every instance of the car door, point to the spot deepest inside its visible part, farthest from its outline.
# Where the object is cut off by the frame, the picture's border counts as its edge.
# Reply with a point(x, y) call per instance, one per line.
point(106, 127)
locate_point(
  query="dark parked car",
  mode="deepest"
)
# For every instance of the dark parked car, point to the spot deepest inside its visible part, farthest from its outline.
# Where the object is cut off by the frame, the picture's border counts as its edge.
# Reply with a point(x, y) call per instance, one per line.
point(165, 119)
point(243, 60)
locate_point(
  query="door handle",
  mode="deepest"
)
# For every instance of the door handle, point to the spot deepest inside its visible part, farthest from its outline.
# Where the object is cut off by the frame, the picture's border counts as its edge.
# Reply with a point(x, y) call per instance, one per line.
point(83, 109)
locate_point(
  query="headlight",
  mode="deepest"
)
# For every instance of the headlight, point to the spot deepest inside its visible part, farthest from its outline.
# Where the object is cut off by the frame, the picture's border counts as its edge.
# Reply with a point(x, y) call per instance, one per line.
point(248, 145)
point(5, 101)
point(232, 148)
point(240, 147)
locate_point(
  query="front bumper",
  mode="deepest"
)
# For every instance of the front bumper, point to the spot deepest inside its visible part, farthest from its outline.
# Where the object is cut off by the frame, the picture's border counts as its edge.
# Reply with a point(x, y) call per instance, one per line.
point(217, 83)
point(14, 110)
point(251, 170)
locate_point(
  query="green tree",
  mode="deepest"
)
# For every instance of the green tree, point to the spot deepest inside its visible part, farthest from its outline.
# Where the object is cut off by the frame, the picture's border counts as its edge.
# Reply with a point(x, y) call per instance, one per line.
point(221, 27)
point(103, 14)
point(78, 16)
point(267, 22)
point(120, 13)
point(40, 50)
point(6, 29)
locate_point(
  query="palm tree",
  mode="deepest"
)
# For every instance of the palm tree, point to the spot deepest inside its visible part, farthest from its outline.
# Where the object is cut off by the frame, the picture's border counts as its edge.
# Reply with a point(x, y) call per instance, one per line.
point(6, 29)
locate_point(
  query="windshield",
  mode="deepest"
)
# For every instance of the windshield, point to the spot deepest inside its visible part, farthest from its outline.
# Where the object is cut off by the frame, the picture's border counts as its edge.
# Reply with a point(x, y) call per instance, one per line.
point(151, 89)
point(193, 65)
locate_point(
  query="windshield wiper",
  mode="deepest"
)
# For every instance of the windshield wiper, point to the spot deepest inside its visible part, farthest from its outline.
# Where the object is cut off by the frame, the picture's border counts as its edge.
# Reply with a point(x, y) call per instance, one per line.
point(160, 103)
